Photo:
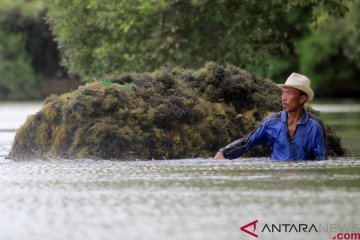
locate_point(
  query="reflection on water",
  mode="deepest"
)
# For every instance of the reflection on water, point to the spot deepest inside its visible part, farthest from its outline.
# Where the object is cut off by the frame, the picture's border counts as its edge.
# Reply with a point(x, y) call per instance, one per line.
point(179, 199)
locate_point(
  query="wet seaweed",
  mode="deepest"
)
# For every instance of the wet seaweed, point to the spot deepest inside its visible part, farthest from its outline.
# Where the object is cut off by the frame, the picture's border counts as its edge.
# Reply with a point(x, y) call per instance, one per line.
point(168, 114)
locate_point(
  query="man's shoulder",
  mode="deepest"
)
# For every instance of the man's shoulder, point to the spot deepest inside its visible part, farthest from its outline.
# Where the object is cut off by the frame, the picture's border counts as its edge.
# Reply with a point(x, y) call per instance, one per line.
point(272, 117)
point(316, 119)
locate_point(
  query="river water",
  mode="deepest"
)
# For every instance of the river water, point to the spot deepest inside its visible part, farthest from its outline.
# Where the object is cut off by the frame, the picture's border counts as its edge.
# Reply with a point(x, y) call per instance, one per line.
point(179, 199)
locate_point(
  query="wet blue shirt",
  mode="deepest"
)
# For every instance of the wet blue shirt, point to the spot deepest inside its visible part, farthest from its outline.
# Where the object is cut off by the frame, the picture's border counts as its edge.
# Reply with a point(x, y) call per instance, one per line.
point(308, 142)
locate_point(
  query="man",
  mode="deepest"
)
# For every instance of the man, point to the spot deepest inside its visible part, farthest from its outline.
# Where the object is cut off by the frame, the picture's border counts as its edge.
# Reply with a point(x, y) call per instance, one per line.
point(293, 134)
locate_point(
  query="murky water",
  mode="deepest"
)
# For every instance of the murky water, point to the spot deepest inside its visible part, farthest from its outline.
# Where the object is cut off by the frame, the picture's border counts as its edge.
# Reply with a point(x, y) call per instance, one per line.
point(178, 199)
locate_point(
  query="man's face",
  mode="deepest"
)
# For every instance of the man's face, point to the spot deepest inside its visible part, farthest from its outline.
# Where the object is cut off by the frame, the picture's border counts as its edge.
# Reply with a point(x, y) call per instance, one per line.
point(292, 99)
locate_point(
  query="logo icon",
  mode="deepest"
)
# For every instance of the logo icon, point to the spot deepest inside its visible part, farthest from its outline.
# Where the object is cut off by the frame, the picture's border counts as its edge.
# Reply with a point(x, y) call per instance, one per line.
point(252, 233)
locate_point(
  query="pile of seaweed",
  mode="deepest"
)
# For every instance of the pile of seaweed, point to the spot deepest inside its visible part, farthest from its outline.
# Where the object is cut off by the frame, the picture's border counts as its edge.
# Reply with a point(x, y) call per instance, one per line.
point(167, 114)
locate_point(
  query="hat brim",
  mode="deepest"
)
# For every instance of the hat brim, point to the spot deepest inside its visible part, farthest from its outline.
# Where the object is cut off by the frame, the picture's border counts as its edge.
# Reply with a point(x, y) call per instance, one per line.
point(309, 92)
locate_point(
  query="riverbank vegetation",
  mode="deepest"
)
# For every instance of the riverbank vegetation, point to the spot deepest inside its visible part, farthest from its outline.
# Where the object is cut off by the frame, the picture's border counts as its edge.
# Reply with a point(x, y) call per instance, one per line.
point(272, 38)
point(317, 38)
point(29, 57)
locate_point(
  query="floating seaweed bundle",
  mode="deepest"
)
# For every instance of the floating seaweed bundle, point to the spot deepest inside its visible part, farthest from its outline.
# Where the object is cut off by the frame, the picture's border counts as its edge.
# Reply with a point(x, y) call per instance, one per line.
point(170, 113)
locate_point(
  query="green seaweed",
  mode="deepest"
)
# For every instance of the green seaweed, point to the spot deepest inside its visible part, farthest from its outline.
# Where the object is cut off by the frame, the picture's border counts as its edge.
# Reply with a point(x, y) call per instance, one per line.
point(168, 114)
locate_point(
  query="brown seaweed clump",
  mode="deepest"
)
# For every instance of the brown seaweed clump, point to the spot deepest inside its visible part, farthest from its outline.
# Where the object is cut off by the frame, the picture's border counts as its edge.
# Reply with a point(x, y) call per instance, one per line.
point(168, 114)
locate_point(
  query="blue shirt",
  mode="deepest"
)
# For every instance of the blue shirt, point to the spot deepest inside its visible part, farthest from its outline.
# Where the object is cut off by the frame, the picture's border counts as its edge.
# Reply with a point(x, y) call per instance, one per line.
point(308, 142)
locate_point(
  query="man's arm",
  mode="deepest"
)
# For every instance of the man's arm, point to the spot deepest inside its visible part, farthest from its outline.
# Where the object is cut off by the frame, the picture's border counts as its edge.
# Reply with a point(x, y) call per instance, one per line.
point(223, 153)
point(240, 146)
point(219, 156)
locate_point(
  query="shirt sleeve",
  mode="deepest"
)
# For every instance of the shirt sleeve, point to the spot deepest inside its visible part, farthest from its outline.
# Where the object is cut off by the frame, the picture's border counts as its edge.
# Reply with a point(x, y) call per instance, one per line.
point(240, 146)
point(320, 145)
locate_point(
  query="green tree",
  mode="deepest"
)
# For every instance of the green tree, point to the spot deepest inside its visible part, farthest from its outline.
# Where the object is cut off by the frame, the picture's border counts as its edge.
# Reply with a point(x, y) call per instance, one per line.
point(28, 54)
point(332, 55)
point(17, 77)
point(98, 37)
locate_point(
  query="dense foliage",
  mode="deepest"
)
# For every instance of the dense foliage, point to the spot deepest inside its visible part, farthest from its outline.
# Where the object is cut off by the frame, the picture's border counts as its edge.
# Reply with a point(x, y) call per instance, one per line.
point(104, 36)
point(332, 55)
point(28, 54)
point(169, 113)
point(271, 38)
point(17, 76)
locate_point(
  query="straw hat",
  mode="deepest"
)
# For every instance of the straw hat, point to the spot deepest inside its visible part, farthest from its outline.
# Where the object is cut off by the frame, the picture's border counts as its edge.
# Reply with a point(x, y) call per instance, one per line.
point(301, 82)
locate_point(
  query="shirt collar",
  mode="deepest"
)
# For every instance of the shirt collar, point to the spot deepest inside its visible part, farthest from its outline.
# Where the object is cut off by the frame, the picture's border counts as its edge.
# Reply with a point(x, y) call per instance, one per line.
point(303, 120)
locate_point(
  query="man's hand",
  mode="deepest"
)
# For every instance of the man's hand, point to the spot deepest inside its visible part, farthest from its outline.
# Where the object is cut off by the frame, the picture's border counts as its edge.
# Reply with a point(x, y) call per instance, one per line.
point(219, 156)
